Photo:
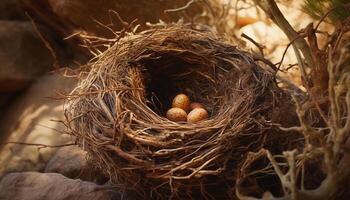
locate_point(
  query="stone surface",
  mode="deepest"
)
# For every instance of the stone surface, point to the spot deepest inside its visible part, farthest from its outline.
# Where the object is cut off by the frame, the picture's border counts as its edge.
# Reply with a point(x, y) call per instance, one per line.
point(81, 12)
point(32, 119)
point(45, 186)
point(72, 162)
point(69, 161)
point(68, 16)
point(23, 55)
point(11, 9)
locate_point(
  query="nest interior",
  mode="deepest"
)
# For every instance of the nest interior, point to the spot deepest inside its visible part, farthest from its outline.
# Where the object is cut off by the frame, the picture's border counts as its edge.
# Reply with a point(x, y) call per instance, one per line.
point(117, 112)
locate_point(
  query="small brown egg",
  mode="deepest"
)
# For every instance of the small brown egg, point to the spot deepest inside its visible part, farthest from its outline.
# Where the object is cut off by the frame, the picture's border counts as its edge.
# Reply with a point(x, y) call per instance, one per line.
point(176, 114)
point(196, 115)
point(196, 105)
point(181, 101)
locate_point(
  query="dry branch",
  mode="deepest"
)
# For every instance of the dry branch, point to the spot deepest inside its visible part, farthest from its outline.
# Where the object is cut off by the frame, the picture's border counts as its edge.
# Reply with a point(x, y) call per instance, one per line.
point(327, 143)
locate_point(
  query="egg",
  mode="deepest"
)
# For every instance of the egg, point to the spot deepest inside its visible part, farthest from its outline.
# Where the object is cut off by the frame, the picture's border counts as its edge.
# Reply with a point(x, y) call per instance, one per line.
point(196, 115)
point(176, 114)
point(196, 105)
point(181, 101)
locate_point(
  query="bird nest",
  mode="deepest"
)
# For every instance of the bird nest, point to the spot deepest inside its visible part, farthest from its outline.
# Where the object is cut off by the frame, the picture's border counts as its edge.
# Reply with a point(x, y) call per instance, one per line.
point(117, 112)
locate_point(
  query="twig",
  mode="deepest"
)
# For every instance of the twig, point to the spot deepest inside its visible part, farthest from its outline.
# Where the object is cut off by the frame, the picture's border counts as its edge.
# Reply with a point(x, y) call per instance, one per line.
point(55, 64)
point(324, 17)
point(180, 8)
point(259, 46)
point(40, 145)
point(267, 62)
point(285, 52)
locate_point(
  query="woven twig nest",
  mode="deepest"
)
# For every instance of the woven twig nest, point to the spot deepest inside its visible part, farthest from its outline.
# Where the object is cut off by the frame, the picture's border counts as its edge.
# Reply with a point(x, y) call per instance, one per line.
point(117, 112)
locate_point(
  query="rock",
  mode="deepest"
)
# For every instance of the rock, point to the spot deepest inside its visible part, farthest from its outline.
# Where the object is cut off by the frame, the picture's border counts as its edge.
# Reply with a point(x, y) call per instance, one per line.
point(71, 161)
point(32, 119)
point(44, 186)
point(77, 11)
point(68, 16)
point(23, 55)
point(11, 10)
